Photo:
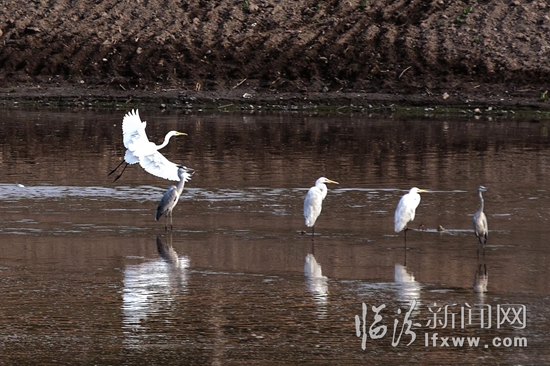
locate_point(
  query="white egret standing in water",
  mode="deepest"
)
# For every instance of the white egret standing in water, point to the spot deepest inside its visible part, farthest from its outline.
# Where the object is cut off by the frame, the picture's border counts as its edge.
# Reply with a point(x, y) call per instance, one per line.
point(171, 197)
point(481, 228)
point(406, 210)
point(313, 204)
point(140, 150)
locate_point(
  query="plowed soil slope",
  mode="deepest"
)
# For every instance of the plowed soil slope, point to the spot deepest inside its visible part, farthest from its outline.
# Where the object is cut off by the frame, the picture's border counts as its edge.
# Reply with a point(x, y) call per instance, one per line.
point(403, 46)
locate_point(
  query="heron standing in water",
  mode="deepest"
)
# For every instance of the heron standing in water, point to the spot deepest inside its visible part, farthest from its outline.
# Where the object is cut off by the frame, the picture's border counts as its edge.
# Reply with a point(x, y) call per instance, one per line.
point(406, 210)
point(481, 228)
point(171, 197)
point(140, 150)
point(313, 203)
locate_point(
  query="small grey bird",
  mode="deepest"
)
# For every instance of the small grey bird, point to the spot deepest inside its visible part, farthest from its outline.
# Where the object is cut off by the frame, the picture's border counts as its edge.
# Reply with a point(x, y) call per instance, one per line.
point(480, 220)
point(172, 195)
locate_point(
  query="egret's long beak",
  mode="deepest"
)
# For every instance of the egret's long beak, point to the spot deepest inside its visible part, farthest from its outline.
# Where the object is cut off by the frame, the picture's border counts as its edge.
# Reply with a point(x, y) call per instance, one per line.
point(423, 191)
point(181, 134)
point(331, 181)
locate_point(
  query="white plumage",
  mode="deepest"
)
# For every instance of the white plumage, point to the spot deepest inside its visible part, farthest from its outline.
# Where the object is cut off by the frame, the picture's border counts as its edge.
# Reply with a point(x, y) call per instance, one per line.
point(406, 209)
point(140, 150)
point(313, 204)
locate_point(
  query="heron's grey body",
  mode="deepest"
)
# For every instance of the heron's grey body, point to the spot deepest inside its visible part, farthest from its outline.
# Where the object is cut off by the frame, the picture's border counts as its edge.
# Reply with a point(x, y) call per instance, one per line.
point(481, 228)
point(313, 204)
point(171, 197)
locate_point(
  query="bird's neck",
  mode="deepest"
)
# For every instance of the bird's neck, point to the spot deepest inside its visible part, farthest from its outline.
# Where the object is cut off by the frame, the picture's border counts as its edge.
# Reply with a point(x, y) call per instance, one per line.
point(323, 188)
point(166, 140)
point(480, 201)
point(181, 184)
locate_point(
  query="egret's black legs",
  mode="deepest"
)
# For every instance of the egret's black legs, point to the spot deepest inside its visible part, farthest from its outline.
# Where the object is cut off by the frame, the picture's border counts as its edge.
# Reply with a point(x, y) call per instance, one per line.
point(118, 166)
point(115, 169)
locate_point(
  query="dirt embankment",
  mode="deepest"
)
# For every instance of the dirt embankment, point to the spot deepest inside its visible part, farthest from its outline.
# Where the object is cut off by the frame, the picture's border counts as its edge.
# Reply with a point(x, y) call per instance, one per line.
point(443, 50)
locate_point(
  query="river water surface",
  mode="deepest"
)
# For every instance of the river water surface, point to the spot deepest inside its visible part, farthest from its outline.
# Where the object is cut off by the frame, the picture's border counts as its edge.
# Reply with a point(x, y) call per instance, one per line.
point(87, 276)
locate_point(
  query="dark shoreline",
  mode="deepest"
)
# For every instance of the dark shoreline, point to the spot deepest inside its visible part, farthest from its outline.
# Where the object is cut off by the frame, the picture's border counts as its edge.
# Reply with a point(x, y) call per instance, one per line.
point(241, 99)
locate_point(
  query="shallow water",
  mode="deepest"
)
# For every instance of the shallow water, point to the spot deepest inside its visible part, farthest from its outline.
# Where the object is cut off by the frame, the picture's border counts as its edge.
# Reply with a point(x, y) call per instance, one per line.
point(87, 274)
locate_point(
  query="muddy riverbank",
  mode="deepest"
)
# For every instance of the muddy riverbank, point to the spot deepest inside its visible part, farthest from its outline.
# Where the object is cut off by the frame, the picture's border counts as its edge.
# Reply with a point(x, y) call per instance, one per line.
point(463, 54)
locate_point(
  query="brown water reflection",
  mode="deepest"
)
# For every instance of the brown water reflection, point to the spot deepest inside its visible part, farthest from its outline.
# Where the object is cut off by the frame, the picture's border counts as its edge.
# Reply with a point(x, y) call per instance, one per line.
point(88, 275)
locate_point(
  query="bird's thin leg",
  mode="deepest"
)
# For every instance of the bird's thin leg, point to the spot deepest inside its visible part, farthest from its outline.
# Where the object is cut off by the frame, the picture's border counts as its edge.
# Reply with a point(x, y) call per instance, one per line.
point(405, 236)
point(118, 166)
point(171, 226)
point(166, 222)
point(120, 175)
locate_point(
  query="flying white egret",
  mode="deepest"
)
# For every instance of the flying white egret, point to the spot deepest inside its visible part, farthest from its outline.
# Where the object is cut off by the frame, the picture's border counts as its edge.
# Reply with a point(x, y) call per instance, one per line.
point(406, 210)
point(480, 220)
point(171, 197)
point(313, 203)
point(140, 150)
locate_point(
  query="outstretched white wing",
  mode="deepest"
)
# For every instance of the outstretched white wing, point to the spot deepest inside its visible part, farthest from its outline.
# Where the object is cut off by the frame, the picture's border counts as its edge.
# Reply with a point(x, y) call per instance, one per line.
point(155, 163)
point(140, 149)
point(133, 131)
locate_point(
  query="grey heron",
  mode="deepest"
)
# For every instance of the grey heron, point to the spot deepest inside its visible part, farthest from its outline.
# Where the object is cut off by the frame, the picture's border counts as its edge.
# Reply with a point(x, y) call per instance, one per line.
point(481, 228)
point(172, 195)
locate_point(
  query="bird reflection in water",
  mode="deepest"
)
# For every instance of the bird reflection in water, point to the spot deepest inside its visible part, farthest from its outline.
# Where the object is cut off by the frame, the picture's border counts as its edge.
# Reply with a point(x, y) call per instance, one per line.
point(408, 288)
point(481, 277)
point(167, 252)
point(151, 290)
point(316, 283)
